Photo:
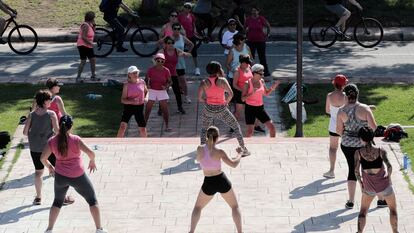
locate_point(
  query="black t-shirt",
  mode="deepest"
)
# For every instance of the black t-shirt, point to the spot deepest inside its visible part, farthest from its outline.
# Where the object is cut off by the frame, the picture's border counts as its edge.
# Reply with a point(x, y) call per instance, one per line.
point(112, 8)
point(333, 2)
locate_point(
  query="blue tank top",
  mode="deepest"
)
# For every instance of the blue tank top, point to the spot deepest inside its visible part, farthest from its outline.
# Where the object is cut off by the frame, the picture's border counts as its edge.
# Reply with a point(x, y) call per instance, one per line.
point(179, 44)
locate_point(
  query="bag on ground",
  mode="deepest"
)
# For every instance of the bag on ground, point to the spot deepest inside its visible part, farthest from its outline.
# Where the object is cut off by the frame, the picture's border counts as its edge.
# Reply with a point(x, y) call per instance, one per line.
point(4, 139)
point(395, 133)
point(292, 109)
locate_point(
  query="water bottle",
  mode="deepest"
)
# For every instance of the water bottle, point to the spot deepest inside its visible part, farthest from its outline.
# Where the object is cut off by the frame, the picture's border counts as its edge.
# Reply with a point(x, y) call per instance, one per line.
point(405, 161)
point(408, 164)
point(93, 96)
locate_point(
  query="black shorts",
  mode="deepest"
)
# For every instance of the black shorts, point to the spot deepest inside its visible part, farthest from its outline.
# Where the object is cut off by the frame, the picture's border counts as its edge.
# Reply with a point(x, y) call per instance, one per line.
point(134, 110)
point(214, 184)
point(180, 72)
point(253, 112)
point(36, 160)
point(334, 134)
point(85, 52)
point(194, 51)
point(237, 96)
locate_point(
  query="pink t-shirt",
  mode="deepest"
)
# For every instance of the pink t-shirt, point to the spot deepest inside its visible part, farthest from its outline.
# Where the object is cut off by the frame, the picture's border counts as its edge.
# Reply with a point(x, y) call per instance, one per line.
point(158, 78)
point(135, 92)
point(90, 35)
point(187, 21)
point(71, 165)
point(55, 107)
point(256, 26)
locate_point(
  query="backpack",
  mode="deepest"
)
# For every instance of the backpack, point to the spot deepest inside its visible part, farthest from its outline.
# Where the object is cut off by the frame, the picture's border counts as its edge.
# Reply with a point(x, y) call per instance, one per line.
point(395, 133)
point(4, 139)
point(104, 5)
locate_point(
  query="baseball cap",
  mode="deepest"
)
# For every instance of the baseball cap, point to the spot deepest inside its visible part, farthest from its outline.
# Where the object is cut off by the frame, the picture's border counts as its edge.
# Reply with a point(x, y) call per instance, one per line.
point(340, 80)
point(132, 69)
point(51, 82)
point(159, 55)
point(188, 4)
point(231, 20)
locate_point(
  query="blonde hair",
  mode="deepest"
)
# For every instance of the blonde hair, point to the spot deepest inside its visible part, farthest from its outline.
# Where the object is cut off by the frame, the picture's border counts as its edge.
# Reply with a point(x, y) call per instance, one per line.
point(212, 135)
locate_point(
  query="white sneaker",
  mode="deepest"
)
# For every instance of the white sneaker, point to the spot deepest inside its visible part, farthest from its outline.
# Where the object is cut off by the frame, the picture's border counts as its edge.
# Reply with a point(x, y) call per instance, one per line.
point(187, 99)
point(101, 231)
point(197, 71)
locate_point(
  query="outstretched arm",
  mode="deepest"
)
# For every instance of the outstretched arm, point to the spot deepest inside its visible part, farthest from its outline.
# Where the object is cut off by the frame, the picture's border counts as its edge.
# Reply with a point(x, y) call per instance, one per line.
point(127, 9)
point(355, 3)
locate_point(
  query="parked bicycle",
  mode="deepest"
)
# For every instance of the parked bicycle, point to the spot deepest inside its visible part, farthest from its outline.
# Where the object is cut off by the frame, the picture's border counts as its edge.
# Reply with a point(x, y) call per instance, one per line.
point(22, 39)
point(143, 40)
point(368, 32)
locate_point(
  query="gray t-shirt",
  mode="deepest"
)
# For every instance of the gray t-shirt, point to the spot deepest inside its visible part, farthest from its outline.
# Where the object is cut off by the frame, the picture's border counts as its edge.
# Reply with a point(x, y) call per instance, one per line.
point(40, 131)
point(202, 7)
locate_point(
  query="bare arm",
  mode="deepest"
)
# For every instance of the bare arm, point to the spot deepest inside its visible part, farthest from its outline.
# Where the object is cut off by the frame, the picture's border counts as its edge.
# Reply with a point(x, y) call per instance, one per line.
point(55, 121)
point(327, 105)
point(199, 153)
point(181, 53)
point(231, 162)
point(370, 118)
point(44, 159)
point(355, 3)
point(124, 98)
point(272, 88)
point(229, 60)
point(85, 30)
point(268, 28)
point(384, 156)
point(245, 92)
point(339, 123)
point(127, 9)
point(357, 167)
point(91, 155)
point(27, 125)
point(189, 43)
point(227, 88)
point(201, 97)
point(61, 107)
point(236, 76)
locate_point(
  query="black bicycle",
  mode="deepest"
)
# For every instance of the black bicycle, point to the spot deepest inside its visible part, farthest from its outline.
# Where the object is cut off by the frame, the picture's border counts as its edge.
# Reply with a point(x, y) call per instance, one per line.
point(22, 39)
point(143, 41)
point(368, 32)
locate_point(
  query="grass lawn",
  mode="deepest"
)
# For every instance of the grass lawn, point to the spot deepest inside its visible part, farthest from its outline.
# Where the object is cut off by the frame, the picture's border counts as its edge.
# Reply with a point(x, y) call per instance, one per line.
point(69, 13)
point(93, 118)
point(394, 105)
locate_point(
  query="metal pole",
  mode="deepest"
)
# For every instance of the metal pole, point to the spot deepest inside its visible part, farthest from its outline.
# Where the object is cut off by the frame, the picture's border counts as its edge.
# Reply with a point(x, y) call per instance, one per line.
point(299, 60)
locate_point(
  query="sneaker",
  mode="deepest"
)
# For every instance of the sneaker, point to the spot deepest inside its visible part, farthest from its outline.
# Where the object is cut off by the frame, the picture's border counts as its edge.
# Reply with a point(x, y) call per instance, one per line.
point(121, 49)
point(187, 99)
point(37, 201)
point(101, 231)
point(337, 30)
point(329, 175)
point(197, 71)
point(259, 129)
point(2, 41)
point(181, 110)
point(381, 204)
point(349, 205)
point(68, 200)
point(94, 78)
point(245, 152)
point(48, 231)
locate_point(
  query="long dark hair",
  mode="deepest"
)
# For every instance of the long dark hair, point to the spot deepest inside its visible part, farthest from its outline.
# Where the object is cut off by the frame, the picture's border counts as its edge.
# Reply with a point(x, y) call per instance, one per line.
point(65, 124)
point(366, 134)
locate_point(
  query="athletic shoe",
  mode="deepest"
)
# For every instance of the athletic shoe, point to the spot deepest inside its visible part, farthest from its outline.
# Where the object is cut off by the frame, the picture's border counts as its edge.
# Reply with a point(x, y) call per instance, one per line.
point(2, 41)
point(197, 71)
point(121, 49)
point(337, 30)
point(187, 99)
point(68, 200)
point(181, 110)
point(37, 201)
point(349, 205)
point(101, 231)
point(259, 129)
point(329, 175)
point(48, 231)
point(94, 78)
point(381, 204)
point(245, 152)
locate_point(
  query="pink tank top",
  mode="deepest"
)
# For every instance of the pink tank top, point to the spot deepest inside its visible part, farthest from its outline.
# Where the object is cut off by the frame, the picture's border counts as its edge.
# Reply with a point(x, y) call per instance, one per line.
point(243, 77)
point(135, 91)
point(257, 98)
point(55, 107)
point(71, 165)
point(215, 95)
point(168, 30)
point(90, 35)
point(171, 62)
point(158, 77)
point(208, 163)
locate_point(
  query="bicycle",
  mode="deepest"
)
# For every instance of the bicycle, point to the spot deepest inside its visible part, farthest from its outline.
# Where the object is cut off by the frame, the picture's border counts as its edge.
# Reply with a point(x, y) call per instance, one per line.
point(368, 32)
point(22, 39)
point(143, 41)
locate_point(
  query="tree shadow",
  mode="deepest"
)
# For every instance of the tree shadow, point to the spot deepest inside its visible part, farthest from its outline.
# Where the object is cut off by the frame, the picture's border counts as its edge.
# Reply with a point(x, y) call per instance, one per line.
point(315, 188)
point(326, 222)
point(14, 215)
point(23, 182)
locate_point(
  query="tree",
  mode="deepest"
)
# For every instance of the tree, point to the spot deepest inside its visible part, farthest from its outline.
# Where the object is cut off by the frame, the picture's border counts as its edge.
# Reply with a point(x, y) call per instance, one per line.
point(149, 7)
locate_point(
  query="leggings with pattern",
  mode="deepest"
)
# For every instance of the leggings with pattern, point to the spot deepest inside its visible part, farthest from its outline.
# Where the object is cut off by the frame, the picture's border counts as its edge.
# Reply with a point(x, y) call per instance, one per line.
point(222, 113)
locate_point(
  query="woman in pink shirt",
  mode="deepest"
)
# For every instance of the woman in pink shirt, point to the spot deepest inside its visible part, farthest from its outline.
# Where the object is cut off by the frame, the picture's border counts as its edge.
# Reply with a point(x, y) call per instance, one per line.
point(57, 104)
point(215, 180)
point(242, 73)
point(253, 92)
point(85, 45)
point(256, 37)
point(166, 29)
point(69, 171)
point(133, 96)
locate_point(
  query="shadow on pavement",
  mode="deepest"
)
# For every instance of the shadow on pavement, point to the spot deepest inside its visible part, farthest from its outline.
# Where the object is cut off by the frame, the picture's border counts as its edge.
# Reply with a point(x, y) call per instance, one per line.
point(21, 182)
point(315, 188)
point(188, 165)
point(326, 222)
point(14, 215)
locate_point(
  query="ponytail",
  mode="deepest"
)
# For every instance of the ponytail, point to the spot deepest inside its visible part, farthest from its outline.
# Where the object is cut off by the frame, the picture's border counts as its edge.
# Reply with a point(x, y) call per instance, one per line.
point(366, 134)
point(212, 135)
point(65, 124)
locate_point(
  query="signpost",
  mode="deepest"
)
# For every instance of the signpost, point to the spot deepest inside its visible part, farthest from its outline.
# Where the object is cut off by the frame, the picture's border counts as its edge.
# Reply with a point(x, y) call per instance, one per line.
point(299, 61)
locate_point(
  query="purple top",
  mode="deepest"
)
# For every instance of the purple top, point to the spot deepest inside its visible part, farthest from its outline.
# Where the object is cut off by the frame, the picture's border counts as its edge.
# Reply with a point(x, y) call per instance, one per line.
point(208, 163)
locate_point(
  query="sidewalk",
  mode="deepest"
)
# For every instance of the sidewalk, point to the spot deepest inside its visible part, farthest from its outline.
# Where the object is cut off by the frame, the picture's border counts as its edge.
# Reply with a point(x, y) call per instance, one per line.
point(150, 186)
point(277, 34)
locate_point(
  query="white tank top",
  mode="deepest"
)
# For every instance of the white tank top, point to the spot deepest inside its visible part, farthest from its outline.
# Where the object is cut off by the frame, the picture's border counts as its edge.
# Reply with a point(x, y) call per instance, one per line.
point(333, 111)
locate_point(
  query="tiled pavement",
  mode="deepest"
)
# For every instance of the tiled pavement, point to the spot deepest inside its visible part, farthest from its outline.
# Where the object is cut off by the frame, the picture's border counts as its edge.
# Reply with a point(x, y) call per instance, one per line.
point(150, 185)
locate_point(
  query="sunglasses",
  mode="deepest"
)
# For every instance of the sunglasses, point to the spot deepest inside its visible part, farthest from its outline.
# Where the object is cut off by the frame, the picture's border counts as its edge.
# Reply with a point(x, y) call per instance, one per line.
point(232, 24)
point(174, 16)
point(188, 7)
point(159, 60)
point(169, 42)
point(176, 29)
point(261, 73)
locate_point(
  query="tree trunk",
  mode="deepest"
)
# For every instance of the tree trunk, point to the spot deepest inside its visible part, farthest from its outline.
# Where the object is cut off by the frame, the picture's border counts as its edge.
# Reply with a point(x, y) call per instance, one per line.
point(149, 7)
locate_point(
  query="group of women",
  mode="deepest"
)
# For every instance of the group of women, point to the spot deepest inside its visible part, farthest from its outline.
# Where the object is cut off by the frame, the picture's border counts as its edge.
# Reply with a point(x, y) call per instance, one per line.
point(354, 123)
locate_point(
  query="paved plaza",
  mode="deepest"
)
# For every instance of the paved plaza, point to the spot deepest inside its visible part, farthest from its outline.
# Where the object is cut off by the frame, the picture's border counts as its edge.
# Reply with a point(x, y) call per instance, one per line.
point(150, 185)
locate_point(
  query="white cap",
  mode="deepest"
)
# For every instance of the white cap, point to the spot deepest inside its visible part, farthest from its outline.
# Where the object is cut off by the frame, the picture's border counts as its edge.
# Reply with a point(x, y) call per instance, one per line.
point(257, 67)
point(132, 69)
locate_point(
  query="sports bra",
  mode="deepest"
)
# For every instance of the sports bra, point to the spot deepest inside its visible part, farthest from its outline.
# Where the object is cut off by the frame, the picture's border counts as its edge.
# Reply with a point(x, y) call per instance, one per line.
point(377, 163)
point(207, 163)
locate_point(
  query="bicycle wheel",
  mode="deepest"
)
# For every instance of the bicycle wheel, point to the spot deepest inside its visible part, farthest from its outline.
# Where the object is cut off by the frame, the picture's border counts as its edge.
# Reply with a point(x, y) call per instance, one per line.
point(22, 39)
point(368, 32)
point(144, 41)
point(103, 42)
point(321, 34)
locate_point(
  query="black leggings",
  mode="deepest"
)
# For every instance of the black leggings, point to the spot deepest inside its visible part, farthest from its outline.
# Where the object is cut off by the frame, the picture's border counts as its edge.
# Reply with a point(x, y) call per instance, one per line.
point(349, 153)
point(177, 91)
point(117, 25)
point(261, 51)
point(81, 184)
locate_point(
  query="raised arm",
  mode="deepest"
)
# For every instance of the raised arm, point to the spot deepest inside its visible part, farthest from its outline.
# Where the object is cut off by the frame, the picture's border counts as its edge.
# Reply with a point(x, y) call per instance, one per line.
point(272, 88)
point(231, 162)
